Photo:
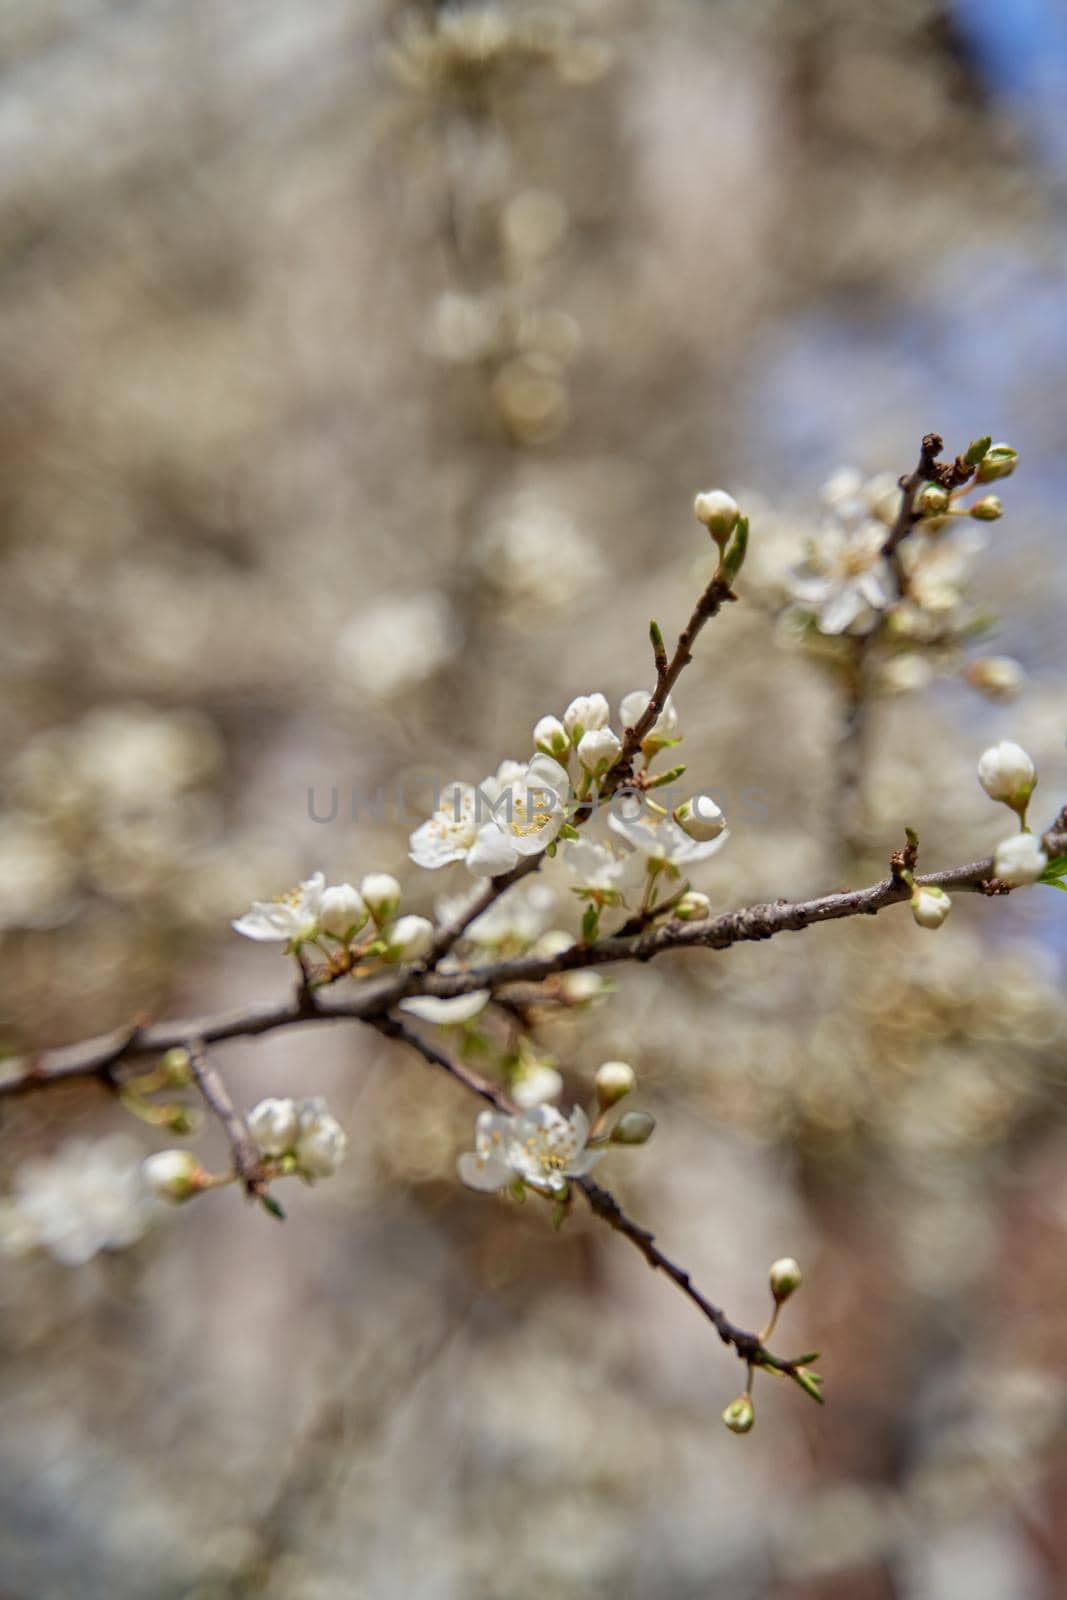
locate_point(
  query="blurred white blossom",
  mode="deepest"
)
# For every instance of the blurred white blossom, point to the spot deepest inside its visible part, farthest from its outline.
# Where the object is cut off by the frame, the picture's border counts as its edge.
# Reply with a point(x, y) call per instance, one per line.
point(541, 1147)
point(88, 1197)
point(397, 643)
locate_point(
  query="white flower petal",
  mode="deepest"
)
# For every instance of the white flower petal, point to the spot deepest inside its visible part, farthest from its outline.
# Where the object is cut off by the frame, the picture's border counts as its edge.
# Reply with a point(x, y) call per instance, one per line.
point(460, 1008)
point(492, 853)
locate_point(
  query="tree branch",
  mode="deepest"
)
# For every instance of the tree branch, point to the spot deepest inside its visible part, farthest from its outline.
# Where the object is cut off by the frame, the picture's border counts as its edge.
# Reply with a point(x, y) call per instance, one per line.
point(376, 997)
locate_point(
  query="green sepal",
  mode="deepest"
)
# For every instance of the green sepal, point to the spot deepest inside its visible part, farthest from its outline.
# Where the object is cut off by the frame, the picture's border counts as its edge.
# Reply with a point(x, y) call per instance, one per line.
point(734, 555)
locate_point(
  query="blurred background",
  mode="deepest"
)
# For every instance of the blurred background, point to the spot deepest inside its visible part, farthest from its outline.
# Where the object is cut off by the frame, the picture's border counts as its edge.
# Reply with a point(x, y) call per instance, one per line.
point(358, 364)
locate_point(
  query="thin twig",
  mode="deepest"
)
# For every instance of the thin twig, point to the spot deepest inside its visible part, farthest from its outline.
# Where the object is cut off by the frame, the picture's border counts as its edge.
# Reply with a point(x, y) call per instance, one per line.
point(247, 1160)
point(603, 1204)
point(711, 602)
point(748, 1345)
point(393, 1028)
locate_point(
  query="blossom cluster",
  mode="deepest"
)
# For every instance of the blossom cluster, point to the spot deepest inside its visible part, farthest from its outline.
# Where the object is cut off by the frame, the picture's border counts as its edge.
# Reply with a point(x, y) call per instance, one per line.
point(541, 1149)
point(524, 808)
point(864, 578)
point(314, 911)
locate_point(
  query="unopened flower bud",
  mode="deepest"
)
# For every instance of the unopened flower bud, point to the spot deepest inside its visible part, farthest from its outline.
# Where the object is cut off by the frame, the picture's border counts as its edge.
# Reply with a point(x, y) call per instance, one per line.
point(178, 1068)
point(322, 1143)
point(785, 1279)
point(932, 500)
point(342, 911)
point(585, 714)
point(181, 1119)
point(1007, 774)
point(989, 509)
point(632, 708)
point(172, 1175)
point(700, 818)
point(999, 677)
point(274, 1125)
point(930, 905)
point(633, 1127)
point(583, 987)
point(381, 895)
point(409, 938)
point(598, 750)
point(614, 1081)
point(551, 737)
point(740, 1416)
point(718, 511)
point(1019, 860)
point(693, 906)
point(999, 461)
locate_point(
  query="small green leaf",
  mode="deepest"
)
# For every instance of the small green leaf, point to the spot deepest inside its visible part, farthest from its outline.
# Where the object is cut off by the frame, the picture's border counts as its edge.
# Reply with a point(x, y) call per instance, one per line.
point(977, 450)
point(668, 777)
point(590, 923)
point(811, 1383)
point(269, 1204)
point(569, 831)
point(1055, 869)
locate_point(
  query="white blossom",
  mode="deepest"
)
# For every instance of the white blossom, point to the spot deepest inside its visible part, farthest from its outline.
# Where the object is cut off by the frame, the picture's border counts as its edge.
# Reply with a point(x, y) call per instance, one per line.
point(717, 510)
point(396, 643)
point(999, 677)
point(614, 1080)
point(511, 552)
point(700, 818)
point(551, 737)
point(381, 895)
point(171, 1175)
point(585, 714)
point(633, 706)
point(660, 839)
point(450, 834)
point(1019, 860)
point(460, 1008)
point(527, 815)
point(785, 1279)
point(938, 568)
point(516, 812)
point(88, 1197)
point(583, 986)
point(342, 911)
point(517, 917)
point(845, 582)
point(291, 918)
point(535, 1083)
point(930, 906)
point(1007, 773)
point(602, 872)
point(541, 1147)
point(408, 938)
point(274, 1125)
point(321, 1143)
point(693, 907)
point(598, 750)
